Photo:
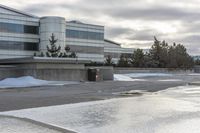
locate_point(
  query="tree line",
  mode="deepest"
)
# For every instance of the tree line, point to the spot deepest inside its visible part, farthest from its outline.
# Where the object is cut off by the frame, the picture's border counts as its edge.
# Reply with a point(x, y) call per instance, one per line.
point(160, 55)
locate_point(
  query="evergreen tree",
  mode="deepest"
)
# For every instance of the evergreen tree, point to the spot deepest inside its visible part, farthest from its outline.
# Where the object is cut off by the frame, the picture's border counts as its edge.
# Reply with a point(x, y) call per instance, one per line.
point(61, 55)
point(35, 54)
point(53, 50)
point(108, 61)
point(137, 59)
point(197, 62)
point(42, 54)
point(73, 55)
point(65, 55)
point(149, 62)
point(159, 53)
point(184, 60)
point(163, 55)
point(172, 62)
point(67, 50)
point(123, 61)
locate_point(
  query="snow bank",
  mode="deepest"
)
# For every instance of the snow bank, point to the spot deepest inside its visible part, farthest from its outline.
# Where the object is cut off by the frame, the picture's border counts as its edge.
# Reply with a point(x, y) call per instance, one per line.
point(132, 76)
point(170, 80)
point(28, 81)
point(121, 77)
point(13, 125)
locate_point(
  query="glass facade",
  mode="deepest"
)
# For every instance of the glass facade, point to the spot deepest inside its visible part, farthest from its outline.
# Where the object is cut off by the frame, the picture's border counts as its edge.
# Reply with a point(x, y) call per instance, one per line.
point(11, 45)
point(113, 55)
point(84, 35)
point(87, 49)
point(18, 28)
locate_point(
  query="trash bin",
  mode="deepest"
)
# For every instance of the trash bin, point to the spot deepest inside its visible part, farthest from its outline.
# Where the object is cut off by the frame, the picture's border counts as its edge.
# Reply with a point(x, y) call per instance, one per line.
point(93, 74)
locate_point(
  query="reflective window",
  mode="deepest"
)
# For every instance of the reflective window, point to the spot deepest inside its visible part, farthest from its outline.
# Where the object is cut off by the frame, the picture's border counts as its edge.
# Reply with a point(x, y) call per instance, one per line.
point(12, 45)
point(84, 35)
point(18, 28)
point(113, 55)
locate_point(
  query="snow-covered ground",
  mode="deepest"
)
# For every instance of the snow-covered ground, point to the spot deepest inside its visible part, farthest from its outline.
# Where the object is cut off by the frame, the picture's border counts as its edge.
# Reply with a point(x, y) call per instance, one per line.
point(134, 76)
point(170, 80)
point(28, 81)
point(11, 125)
point(175, 110)
point(139, 75)
point(122, 77)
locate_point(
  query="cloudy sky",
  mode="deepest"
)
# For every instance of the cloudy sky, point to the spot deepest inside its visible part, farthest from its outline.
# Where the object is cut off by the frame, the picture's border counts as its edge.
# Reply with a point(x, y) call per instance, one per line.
point(130, 22)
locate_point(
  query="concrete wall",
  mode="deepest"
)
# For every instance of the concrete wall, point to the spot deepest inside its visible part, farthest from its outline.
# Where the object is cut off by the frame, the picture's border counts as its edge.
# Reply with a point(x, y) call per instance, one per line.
point(118, 70)
point(54, 71)
point(58, 72)
point(107, 73)
point(197, 69)
point(57, 69)
point(9, 72)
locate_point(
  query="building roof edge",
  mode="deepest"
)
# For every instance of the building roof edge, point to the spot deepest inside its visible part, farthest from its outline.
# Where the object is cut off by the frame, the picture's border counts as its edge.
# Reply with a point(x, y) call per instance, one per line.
point(18, 11)
point(107, 40)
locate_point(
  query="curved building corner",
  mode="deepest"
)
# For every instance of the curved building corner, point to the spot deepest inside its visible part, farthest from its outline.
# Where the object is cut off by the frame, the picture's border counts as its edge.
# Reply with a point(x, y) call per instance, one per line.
point(52, 25)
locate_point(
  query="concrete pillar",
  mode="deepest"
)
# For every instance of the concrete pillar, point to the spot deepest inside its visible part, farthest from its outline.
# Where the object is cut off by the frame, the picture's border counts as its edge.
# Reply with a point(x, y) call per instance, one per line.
point(49, 25)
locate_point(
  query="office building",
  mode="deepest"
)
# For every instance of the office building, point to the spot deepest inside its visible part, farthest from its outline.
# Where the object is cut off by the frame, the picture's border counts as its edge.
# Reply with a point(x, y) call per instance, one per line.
point(23, 34)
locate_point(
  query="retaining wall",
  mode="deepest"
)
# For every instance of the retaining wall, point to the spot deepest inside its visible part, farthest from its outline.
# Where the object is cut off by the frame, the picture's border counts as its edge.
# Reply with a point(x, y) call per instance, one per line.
point(197, 69)
point(54, 71)
point(49, 72)
point(120, 70)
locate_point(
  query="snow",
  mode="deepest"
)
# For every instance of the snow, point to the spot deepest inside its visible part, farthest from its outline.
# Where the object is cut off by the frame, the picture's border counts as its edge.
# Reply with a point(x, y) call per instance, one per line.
point(194, 74)
point(131, 93)
point(28, 81)
point(169, 111)
point(133, 76)
point(12, 125)
point(121, 77)
point(170, 80)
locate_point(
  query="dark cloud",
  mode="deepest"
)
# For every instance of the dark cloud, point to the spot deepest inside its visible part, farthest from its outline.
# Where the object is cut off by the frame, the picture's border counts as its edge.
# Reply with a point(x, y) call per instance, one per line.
point(117, 31)
point(43, 8)
point(108, 9)
point(143, 35)
point(154, 13)
point(37, 9)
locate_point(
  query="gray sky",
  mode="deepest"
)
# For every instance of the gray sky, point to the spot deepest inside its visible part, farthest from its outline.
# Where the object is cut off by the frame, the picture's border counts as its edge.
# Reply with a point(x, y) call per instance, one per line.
point(130, 22)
